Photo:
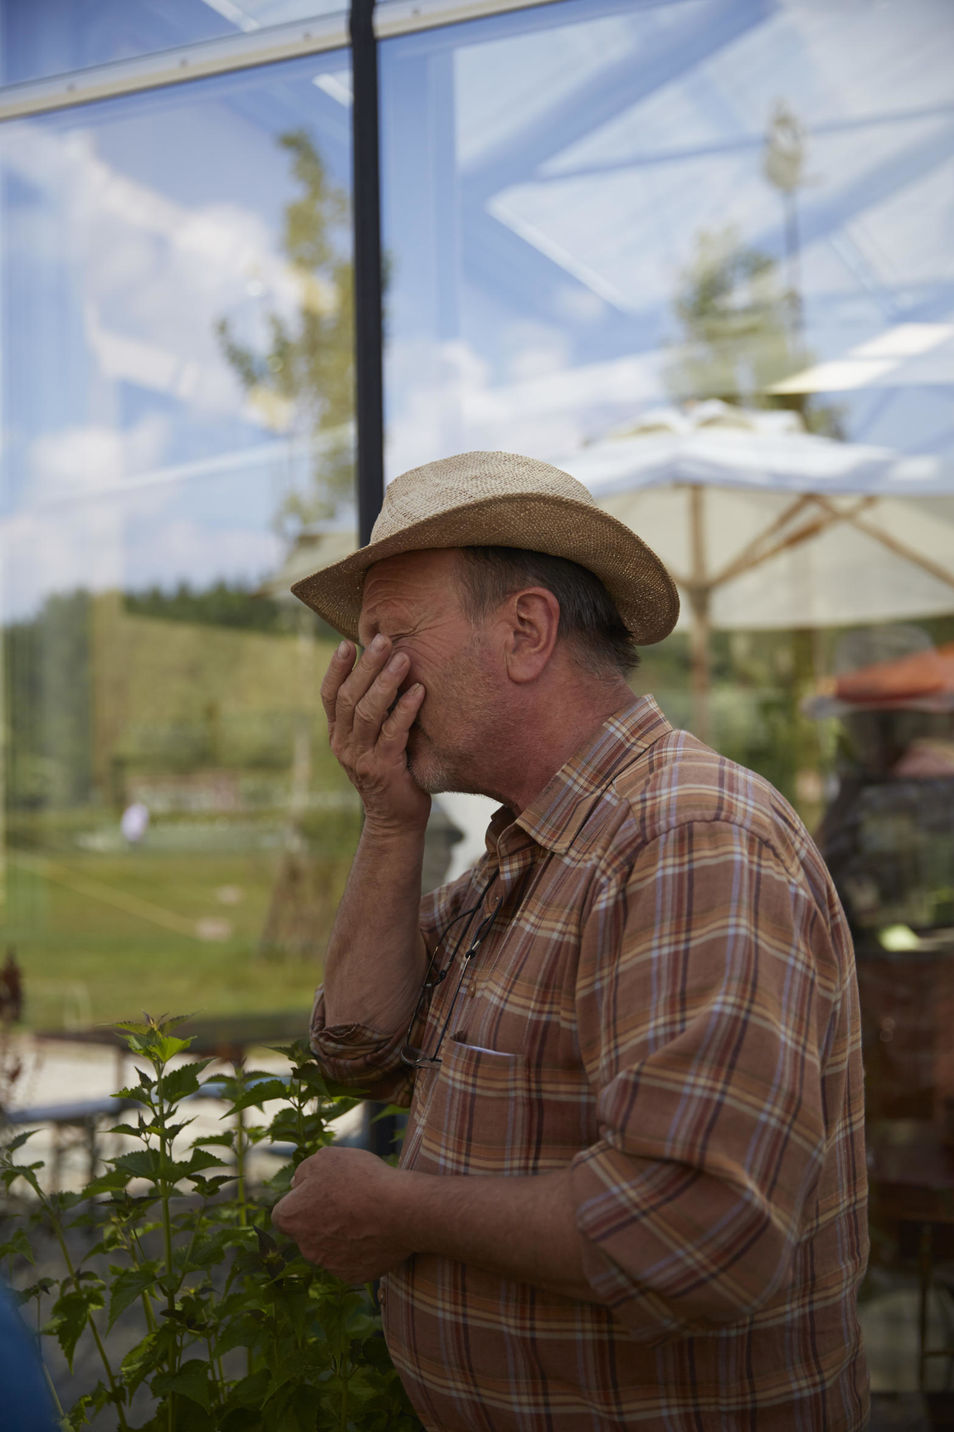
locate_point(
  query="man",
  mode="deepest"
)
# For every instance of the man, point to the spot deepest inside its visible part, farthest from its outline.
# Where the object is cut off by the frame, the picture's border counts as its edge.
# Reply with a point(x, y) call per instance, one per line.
point(632, 1190)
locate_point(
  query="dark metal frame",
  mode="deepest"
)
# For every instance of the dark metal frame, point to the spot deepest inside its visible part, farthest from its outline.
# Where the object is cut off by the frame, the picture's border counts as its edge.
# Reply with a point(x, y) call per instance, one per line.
point(368, 287)
point(381, 1130)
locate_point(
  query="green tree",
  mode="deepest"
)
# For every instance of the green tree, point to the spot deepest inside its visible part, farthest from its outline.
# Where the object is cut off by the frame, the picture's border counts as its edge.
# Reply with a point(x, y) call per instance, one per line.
point(223, 604)
point(304, 380)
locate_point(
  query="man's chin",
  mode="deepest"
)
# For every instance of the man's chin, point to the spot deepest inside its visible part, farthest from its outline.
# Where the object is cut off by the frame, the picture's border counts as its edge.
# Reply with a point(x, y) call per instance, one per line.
point(430, 778)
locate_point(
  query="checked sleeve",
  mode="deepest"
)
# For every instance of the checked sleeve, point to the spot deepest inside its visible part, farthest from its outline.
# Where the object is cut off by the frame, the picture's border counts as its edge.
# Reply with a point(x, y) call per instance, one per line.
point(711, 1007)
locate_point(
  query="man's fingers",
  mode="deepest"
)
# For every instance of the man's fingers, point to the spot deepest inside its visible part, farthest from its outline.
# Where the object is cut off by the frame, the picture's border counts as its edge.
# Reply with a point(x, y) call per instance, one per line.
point(402, 716)
point(371, 710)
point(351, 687)
point(338, 671)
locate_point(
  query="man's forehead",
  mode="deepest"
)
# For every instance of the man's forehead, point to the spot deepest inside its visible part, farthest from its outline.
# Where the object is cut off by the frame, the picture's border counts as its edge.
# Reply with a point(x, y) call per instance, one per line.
point(409, 577)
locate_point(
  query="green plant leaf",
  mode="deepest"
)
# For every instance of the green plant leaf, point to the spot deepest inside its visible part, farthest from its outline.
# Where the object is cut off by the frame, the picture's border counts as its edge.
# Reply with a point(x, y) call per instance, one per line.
point(18, 1141)
point(225, 1140)
point(244, 1331)
point(256, 1096)
point(209, 1187)
point(251, 1391)
point(151, 1025)
point(114, 1180)
point(127, 1285)
point(174, 1170)
point(312, 1352)
point(165, 1046)
point(18, 1245)
point(200, 1159)
point(90, 1403)
point(152, 1352)
point(131, 1026)
point(71, 1312)
point(140, 1093)
point(144, 1163)
point(172, 1131)
point(177, 1084)
point(344, 1106)
point(128, 1130)
point(36, 1290)
point(191, 1380)
point(25, 1171)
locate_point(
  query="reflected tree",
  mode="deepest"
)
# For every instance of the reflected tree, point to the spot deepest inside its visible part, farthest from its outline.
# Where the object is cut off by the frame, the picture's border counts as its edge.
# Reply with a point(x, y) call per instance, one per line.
point(301, 378)
point(783, 165)
point(49, 704)
point(737, 337)
point(740, 318)
point(302, 381)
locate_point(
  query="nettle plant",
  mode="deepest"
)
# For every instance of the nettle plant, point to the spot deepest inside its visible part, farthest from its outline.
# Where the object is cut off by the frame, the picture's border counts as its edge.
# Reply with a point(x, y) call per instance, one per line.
point(239, 1332)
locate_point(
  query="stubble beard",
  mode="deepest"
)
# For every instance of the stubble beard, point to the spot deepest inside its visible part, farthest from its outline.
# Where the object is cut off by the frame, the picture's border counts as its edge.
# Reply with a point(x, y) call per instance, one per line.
point(439, 771)
point(430, 772)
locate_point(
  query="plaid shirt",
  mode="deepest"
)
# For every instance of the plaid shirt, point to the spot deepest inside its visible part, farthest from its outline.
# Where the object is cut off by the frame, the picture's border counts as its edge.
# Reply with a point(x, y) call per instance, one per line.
point(667, 1002)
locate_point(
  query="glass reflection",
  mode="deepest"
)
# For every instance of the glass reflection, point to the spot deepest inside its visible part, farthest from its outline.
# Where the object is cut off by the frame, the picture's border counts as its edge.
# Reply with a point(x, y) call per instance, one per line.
point(178, 405)
point(699, 255)
point(670, 248)
point(60, 36)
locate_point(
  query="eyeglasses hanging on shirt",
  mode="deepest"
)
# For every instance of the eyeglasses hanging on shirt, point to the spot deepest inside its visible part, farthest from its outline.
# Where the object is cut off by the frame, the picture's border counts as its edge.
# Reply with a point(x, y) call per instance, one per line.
point(410, 1053)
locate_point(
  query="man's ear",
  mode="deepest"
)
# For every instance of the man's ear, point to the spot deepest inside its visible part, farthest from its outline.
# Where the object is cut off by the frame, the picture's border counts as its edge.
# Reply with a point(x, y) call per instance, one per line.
point(533, 624)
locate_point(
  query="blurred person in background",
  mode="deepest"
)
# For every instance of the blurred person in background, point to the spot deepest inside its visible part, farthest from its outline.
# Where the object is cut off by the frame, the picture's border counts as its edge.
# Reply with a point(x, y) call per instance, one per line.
point(888, 840)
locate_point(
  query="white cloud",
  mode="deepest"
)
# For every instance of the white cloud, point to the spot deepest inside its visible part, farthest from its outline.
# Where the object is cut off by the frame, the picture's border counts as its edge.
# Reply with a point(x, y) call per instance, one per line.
point(156, 276)
point(98, 545)
point(79, 461)
point(104, 513)
point(445, 402)
point(181, 549)
point(40, 555)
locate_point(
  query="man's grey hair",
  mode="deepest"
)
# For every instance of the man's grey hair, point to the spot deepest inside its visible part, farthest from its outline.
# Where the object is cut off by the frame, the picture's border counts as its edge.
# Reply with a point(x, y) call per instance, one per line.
point(589, 621)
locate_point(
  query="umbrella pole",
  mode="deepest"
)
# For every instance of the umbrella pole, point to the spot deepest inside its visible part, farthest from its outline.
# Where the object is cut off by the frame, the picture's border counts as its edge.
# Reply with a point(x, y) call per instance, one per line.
point(699, 592)
point(699, 660)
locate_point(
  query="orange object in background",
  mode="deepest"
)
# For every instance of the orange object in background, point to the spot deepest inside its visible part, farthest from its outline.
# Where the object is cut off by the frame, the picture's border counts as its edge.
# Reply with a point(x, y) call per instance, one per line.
point(928, 673)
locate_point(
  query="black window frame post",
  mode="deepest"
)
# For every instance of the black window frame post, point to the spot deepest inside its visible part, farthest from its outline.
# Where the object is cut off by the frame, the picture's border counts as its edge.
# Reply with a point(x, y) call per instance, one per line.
point(381, 1130)
point(368, 286)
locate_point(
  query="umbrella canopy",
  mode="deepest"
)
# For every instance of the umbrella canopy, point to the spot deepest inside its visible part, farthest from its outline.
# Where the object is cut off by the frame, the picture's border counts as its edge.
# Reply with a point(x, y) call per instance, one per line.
point(764, 525)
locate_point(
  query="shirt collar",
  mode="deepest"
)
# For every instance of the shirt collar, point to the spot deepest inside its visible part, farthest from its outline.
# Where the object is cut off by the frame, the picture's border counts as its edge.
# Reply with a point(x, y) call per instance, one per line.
point(556, 816)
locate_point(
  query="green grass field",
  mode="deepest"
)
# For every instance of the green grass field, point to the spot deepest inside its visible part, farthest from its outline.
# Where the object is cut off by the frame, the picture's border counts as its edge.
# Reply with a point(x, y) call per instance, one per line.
point(101, 937)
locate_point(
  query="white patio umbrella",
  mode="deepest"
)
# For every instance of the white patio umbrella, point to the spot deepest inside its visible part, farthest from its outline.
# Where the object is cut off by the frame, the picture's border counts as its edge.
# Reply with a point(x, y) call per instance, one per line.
point(764, 525)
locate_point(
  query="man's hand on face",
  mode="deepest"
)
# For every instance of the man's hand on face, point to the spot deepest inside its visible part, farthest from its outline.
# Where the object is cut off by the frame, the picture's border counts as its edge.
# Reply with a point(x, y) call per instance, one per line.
point(335, 1213)
point(368, 724)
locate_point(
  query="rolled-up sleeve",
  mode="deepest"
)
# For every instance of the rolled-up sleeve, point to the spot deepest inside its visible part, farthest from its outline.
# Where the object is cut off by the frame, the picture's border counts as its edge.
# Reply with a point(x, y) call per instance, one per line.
point(365, 1059)
point(360, 1058)
point(707, 992)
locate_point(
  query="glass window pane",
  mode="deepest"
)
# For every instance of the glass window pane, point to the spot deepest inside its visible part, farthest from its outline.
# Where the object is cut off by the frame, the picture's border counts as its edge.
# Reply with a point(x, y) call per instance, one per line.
point(699, 254)
point(177, 337)
point(701, 242)
point(53, 37)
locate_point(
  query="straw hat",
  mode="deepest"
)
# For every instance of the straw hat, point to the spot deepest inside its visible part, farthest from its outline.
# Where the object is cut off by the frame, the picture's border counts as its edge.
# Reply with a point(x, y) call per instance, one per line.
point(498, 499)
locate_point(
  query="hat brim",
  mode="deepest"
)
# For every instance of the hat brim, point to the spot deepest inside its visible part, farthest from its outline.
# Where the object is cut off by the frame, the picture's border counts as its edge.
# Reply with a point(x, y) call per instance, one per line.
point(643, 591)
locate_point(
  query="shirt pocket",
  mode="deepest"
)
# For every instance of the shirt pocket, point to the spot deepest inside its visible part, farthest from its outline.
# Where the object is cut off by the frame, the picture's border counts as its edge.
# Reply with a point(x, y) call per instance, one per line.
point(475, 1117)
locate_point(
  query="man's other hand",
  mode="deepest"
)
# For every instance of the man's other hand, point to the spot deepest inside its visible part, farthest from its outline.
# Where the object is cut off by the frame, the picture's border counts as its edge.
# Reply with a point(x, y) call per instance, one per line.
point(336, 1213)
point(368, 726)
